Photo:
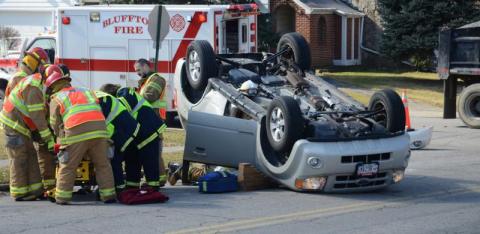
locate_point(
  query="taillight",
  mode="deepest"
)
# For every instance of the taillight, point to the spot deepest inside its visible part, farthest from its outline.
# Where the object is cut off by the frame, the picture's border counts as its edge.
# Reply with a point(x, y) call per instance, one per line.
point(253, 38)
point(65, 20)
point(202, 18)
point(253, 26)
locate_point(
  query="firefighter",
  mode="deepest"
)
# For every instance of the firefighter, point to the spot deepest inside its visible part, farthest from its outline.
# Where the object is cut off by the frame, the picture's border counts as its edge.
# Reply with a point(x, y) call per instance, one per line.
point(78, 122)
point(144, 152)
point(152, 87)
point(24, 119)
point(32, 62)
point(122, 129)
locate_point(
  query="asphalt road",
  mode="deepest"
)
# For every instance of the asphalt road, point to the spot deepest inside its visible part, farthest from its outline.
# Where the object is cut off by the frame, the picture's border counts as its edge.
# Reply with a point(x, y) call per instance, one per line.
point(440, 194)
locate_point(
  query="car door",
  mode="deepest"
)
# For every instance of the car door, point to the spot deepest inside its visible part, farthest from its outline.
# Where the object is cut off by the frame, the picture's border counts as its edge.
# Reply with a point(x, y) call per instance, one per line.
point(220, 140)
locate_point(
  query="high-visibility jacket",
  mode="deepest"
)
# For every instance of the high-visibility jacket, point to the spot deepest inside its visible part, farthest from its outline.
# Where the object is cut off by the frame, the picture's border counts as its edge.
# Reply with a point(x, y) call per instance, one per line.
point(24, 109)
point(151, 126)
point(153, 90)
point(78, 111)
point(17, 77)
point(122, 128)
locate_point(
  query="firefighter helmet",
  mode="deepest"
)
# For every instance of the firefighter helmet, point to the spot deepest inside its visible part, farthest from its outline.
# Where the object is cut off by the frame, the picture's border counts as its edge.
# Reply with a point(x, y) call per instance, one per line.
point(54, 73)
point(35, 58)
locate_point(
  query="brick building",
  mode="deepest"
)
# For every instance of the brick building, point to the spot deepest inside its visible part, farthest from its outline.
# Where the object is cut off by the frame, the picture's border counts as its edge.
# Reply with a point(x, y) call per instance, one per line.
point(332, 28)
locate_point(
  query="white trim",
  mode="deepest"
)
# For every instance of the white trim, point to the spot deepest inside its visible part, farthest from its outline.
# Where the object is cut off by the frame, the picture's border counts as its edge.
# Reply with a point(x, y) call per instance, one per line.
point(360, 40)
point(353, 38)
point(309, 10)
point(344, 38)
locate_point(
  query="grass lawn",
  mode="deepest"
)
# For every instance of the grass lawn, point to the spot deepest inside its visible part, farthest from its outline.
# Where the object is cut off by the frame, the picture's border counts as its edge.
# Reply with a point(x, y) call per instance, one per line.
point(172, 157)
point(420, 86)
point(4, 175)
point(173, 137)
point(3, 153)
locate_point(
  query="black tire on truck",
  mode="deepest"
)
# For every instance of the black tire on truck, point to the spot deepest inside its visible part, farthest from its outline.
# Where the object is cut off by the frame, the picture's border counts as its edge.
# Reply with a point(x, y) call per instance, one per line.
point(300, 49)
point(201, 64)
point(469, 106)
point(285, 124)
point(392, 110)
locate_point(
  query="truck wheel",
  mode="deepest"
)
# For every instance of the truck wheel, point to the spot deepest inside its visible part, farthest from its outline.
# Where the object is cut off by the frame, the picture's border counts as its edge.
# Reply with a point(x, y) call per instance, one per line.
point(469, 106)
point(201, 64)
point(392, 111)
point(285, 123)
point(300, 49)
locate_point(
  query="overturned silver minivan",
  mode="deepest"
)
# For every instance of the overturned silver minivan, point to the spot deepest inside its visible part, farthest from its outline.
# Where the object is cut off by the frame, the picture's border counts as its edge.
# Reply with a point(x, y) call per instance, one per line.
point(290, 124)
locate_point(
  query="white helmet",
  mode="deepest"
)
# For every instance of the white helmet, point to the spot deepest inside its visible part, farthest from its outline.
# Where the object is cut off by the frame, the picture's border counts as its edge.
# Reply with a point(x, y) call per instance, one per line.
point(249, 88)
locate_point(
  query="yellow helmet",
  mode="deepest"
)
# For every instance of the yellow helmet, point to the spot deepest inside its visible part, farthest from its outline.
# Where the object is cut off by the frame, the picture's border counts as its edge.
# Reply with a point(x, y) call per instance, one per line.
point(34, 58)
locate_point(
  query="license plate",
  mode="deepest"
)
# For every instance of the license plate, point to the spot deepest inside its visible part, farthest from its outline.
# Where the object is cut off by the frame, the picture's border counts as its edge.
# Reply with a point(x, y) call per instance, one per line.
point(370, 169)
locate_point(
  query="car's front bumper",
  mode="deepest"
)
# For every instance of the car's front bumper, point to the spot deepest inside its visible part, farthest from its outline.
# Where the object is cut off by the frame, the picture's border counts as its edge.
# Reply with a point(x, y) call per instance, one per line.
point(338, 163)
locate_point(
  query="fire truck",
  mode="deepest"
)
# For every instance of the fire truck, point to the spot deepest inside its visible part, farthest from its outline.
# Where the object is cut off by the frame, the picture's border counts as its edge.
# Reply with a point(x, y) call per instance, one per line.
point(100, 44)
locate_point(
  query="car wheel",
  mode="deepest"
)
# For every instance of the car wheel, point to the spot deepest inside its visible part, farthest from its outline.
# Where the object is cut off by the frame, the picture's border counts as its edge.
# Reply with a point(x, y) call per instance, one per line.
point(391, 110)
point(300, 50)
point(201, 64)
point(285, 123)
point(469, 106)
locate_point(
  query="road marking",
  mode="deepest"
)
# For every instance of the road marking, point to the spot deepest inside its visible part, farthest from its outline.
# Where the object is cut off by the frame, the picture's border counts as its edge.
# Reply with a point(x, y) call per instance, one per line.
point(312, 214)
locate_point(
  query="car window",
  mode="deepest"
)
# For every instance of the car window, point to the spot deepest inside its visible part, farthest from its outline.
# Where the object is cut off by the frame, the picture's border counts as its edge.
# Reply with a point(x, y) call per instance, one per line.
point(44, 43)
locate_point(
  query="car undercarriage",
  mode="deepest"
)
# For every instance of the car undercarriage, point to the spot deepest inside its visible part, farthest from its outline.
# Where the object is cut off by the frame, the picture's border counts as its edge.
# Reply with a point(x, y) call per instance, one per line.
point(292, 125)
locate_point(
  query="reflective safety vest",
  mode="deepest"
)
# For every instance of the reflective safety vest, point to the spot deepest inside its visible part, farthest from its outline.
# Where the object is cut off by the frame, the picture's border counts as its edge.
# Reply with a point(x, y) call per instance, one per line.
point(161, 103)
point(115, 110)
point(129, 129)
point(16, 101)
point(141, 102)
point(21, 74)
point(78, 106)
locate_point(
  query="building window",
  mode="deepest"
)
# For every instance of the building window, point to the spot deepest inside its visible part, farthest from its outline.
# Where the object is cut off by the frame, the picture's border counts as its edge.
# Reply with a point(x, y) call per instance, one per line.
point(322, 30)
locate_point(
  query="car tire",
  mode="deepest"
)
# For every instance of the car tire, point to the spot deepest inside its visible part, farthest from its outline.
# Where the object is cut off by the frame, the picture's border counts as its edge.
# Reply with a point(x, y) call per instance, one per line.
point(285, 123)
point(393, 115)
point(201, 64)
point(469, 106)
point(300, 49)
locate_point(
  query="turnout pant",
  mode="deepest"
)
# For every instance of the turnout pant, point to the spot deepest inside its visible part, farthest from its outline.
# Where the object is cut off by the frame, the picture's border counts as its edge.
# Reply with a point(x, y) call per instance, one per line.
point(117, 168)
point(46, 160)
point(25, 177)
point(146, 157)
point(161, 168)
point(70, 158)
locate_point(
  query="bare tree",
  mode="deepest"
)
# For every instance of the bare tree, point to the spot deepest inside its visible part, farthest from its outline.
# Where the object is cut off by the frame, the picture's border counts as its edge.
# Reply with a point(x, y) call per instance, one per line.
point(10, 36)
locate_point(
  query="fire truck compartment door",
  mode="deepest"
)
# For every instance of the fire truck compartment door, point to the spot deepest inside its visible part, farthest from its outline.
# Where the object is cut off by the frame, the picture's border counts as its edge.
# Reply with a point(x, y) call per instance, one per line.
point(243, 33)
point(108, 65)
point(74, 46)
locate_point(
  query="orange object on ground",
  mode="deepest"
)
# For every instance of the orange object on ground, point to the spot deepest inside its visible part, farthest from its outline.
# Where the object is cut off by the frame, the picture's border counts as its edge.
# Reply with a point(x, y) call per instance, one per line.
point(408, 124)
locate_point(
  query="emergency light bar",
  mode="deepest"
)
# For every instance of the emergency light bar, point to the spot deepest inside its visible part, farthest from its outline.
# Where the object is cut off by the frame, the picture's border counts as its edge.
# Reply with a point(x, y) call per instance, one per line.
point(243, 7)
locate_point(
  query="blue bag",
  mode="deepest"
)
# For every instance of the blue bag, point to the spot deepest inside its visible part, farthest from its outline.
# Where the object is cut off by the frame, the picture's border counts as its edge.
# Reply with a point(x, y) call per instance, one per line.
point(218, 182)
